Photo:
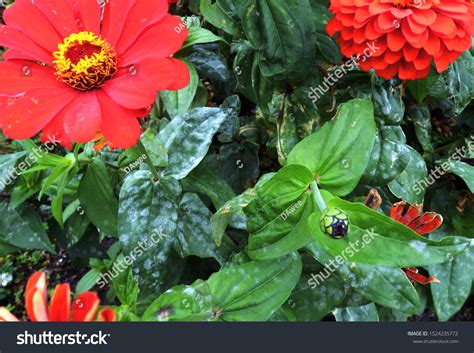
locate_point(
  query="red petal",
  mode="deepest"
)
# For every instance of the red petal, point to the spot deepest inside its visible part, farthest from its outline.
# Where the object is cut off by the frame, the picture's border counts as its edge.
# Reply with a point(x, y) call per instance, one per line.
point(54, 131)
point(107, 315)
point(59, 308)
point(36, 297)
point(424, 17)
point(119, 125)
point(443, 25)
point(20, 76)
point(60, 14)
point(419, 278)
point(27, 115)
point(162, 40)
point(428, 223)
point(396, 40)
point(115, 15)
point(90, 12)
point(413, 212)
point(136, 87)
point(27, 18)
point(397, 210)
point(84, 307)
point(83, 117)
point(144, 14)
point(14, 39)
point(433, 44)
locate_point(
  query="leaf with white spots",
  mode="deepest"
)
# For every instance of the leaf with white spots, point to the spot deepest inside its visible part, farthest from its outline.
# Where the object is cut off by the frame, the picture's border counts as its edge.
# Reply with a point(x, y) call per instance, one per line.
point(365, 313)
point(148, 216)
point(456, 276)
point(187, 139)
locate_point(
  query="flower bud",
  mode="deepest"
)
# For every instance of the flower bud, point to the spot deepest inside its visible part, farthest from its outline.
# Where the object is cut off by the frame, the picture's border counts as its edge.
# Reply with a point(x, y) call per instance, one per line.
point(334, 222)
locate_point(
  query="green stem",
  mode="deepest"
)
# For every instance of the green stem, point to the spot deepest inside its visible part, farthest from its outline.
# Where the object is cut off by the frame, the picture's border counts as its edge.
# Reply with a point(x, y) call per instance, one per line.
point(317, 197)
point(148, 161)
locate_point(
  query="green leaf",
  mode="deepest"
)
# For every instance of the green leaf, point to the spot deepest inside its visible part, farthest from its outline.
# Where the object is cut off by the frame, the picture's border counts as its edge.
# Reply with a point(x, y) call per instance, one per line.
point(97, 197)
point(386, 286)
point(406, 186)
point(198, 35)
point(284, 35)
point(204, 180)
point(251, 82)
point(377, 239)
point(8, 174)
point(388, 102)
point(148, 215)
point(326, 45)
point(180, 101)
point(194, 230)
point(366, 313)
point(125, 286)
point(461, 169)
point(456, 276)
point(22, 228)
point(155, 150)
point(277, 217)
point(221, 13)
point(187, 138)
point(313, 303)
point(182, 303)
point(339, 152)
point(419, 89)
point(421, 116)
point(253, 291)
point(213, 66)
point(88, 281)
point(390, 156)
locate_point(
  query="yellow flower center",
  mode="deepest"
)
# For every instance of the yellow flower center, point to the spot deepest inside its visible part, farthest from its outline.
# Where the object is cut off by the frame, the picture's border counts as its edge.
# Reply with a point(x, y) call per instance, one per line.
point(85, 61)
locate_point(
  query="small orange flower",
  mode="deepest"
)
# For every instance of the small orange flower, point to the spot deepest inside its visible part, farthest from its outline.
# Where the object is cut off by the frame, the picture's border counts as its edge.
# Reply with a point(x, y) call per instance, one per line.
point(422, 224)
point(84, 307)
point(409, 35)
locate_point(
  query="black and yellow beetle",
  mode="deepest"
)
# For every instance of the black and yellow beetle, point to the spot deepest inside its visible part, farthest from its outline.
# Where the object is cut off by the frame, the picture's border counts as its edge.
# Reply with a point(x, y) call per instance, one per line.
point(334, 222)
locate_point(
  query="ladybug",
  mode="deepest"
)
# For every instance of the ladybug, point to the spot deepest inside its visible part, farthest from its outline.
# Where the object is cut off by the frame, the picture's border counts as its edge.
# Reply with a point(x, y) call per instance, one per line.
point(334, 222)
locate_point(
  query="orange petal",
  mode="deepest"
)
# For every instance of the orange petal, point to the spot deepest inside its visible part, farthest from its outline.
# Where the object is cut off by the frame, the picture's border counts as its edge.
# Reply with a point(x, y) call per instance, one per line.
point(84, 307)
point(36, 297)
point(59, 309)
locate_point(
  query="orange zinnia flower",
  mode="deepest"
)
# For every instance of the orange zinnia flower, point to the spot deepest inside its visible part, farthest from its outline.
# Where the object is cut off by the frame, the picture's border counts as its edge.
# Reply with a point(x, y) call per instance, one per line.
point(408, 34)
point(84, 307)
point(422, 224)
point(72, 71)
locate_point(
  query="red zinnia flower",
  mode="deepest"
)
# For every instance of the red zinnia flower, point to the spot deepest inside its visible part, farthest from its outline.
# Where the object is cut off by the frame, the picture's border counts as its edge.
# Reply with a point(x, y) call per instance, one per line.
point(408, 34)
point(72, 71)
point(84, 307)
point(422, 224)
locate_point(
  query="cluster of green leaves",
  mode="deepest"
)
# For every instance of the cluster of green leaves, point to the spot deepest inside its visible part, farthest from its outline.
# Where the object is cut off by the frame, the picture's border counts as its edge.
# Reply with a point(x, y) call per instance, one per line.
point(214, 212)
